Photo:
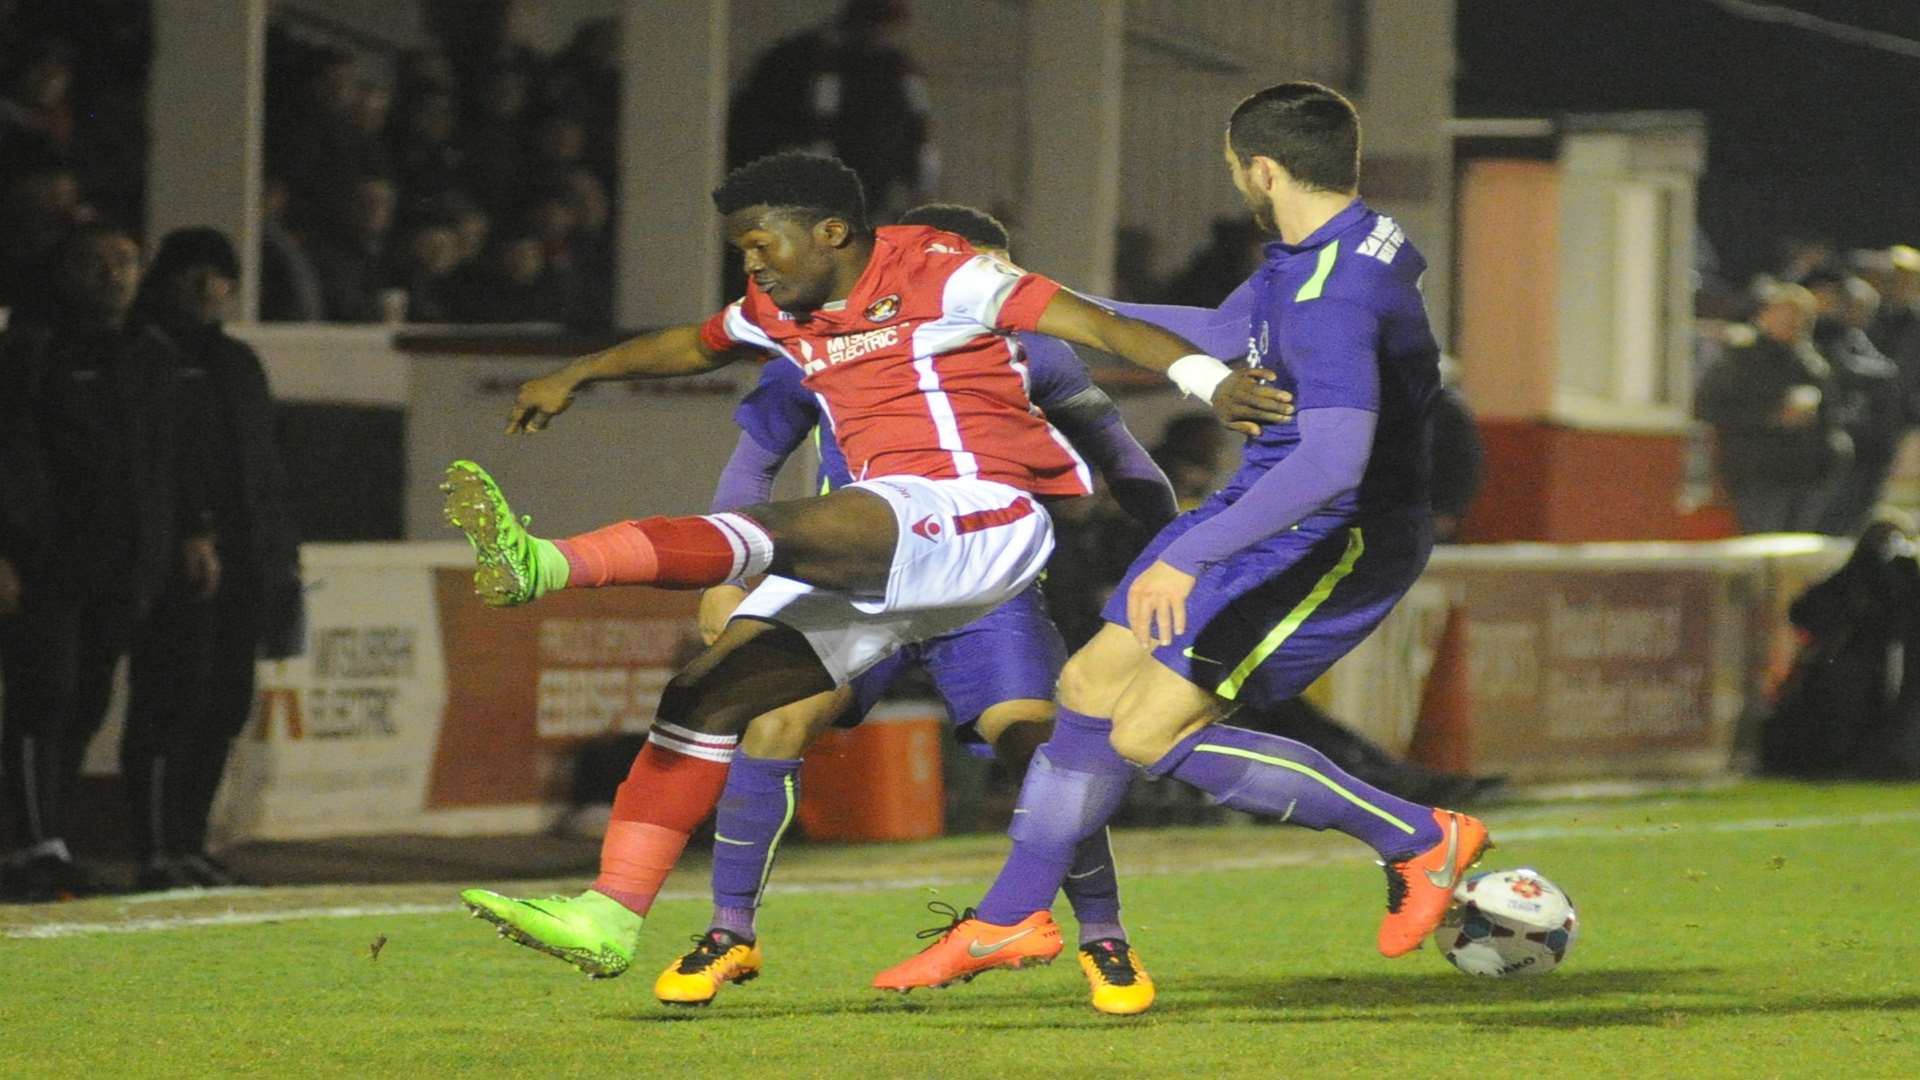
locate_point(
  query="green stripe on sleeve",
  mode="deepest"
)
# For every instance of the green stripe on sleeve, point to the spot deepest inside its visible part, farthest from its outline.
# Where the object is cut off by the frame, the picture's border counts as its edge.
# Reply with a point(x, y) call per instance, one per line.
point(1229, 687)
point(1311, 290)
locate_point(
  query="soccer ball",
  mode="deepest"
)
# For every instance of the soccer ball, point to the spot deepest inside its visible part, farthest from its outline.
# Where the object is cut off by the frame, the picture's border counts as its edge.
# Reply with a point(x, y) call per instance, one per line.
point(1508, 922)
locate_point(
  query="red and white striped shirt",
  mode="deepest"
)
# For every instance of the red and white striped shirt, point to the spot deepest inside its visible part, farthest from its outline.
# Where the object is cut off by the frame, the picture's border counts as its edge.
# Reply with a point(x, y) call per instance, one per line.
point(915, 368)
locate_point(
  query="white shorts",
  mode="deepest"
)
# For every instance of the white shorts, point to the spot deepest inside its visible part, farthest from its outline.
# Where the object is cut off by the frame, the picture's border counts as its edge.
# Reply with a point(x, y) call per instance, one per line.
point(966, 547)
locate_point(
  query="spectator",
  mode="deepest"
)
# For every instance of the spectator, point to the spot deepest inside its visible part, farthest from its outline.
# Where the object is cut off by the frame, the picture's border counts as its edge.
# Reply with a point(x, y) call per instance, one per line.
point(1778, 447)
point(471, 222)
point(1189, 453)
point(1867, 402)
point(42, 203)
point(428, 258)
point(510, 285)
point(585, 82)
point(36, 112)
point(427, 162)
point(1133, 254)
point(847, 89)
point(1896, 326)
point(559, 144)
point(193, 657)
point(100, 463)
point(349, 257)
point(593, 247)
point(496, 137)
point(289, 285)
point(554, 215)
point(1232, 253)
point(320, 150)
point(1459, 458)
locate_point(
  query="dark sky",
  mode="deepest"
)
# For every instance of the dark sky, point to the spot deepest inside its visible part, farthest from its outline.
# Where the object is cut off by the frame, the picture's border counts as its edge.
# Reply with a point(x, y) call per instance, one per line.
point(1805, 133)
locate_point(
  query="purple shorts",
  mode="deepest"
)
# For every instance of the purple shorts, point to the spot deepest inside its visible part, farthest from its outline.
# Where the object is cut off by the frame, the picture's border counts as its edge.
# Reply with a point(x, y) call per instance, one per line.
point(1267, 622)
point(1013, 652)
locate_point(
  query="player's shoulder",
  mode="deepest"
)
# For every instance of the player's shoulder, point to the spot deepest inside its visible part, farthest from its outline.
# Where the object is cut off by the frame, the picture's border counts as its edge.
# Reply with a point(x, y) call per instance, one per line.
point(921, 245)
point(1372, 264)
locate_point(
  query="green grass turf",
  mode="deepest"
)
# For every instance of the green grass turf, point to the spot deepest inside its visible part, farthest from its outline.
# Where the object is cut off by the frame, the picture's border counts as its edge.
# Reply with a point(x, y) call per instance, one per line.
point(1713, 944)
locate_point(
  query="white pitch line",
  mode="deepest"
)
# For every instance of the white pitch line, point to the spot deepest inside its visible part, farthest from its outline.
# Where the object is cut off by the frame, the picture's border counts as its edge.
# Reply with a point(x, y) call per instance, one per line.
point(1255, 862)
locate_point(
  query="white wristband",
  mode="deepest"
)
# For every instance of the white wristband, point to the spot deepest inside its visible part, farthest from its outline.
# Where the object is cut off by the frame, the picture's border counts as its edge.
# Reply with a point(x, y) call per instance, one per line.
point(1197, 375)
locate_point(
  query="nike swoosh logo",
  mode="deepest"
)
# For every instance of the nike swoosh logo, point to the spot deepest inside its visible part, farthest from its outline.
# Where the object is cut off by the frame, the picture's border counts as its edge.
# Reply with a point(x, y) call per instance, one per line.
point(731, 840)
point(1191, 655)
point(1447, 878)
point(1088, 874)
point(980, 950)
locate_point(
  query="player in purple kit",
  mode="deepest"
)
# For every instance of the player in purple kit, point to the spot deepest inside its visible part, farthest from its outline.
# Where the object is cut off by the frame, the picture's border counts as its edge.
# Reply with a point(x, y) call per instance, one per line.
point(1254, 594)
point(996, 675)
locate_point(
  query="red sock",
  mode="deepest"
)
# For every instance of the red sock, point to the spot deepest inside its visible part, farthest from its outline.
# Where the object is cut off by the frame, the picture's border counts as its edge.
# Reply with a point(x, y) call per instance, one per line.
point(673, 553)
point(675, 783)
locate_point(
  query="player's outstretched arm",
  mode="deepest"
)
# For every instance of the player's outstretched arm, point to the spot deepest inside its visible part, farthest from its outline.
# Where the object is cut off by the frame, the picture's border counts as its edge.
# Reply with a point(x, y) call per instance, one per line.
point(1218, 331)
point(662, 354)
point(1237, 396)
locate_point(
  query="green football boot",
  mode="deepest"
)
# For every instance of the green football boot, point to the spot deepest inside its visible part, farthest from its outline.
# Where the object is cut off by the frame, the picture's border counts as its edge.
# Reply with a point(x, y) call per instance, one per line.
point(592, 932)
point(512, 566)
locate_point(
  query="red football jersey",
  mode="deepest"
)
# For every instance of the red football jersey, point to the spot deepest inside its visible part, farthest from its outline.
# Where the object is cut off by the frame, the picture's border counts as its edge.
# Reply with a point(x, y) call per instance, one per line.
point(915, 369)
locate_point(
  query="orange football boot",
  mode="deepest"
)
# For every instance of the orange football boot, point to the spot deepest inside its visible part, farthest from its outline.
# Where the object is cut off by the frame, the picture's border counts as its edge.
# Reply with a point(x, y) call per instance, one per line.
point(967, 946)
point(1420, 886)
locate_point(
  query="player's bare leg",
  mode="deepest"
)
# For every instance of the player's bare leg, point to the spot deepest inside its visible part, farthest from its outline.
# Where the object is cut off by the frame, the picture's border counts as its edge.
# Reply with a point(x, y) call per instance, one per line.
point(844, 540)
point(675, 781)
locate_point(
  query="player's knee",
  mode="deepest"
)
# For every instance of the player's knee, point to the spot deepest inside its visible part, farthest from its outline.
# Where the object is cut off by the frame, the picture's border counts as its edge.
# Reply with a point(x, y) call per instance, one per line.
point(1137, 744)
point(778, 734)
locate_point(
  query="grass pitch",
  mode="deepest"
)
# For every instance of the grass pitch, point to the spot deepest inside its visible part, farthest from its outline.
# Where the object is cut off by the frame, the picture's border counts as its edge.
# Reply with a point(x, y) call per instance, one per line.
point(1756, 931)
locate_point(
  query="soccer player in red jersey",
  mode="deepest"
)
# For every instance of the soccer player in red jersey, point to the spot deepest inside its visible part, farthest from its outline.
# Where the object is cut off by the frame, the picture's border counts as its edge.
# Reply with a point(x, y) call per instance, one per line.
point(901, 332)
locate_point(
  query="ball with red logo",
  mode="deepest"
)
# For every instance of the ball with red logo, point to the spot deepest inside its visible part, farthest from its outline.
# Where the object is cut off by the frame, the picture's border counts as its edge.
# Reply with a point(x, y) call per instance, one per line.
point(1508, 923)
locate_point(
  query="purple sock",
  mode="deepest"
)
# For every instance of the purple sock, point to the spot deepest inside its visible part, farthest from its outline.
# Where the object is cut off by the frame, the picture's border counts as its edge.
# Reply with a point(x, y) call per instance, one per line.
point(1074, 785)
point(1276, 777)
point(1093, 889)
point(756, 807)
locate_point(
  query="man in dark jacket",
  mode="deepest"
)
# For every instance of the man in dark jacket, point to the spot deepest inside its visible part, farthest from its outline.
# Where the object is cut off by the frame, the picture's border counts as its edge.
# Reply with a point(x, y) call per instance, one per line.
point(1778, 441)
point(99, 459)
point(193, 657)
point(1867, 401)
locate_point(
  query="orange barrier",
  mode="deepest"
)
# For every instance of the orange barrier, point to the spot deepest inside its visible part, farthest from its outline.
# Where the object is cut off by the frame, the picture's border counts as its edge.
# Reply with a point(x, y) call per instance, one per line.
point(879, 781)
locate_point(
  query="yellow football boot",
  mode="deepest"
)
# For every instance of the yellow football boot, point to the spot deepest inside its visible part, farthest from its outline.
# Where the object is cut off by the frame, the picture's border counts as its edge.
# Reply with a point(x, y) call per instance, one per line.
point(718, 958)
point(1121, 985)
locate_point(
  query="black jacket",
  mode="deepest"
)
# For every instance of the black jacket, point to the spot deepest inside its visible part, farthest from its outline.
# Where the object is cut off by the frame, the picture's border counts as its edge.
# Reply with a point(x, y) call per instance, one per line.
point(1742, 396)
point(247, 490)
point(101, 459)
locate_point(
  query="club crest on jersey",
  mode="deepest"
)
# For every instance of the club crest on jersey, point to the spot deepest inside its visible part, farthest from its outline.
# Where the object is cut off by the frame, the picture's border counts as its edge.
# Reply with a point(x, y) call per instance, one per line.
point(884, 308)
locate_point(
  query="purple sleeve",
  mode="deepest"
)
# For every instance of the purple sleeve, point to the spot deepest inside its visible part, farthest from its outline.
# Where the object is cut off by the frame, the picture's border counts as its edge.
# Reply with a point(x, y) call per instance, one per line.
point(779, 412)
point(1220, 331)
point(1136, 483)
point(1060, 385)
point(1054, 370)
point(1329, 462)
point(748, 477)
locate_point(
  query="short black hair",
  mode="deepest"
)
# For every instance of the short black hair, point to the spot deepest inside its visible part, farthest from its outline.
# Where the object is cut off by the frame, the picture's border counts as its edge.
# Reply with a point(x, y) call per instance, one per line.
point(975, 226)
point(813, 186)
point(1308, 129)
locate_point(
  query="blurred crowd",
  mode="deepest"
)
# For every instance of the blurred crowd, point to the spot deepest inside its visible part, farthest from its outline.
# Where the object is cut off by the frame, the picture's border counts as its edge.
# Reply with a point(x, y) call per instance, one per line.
point(469, 192)
point(469, 181)
point(1810, 381)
